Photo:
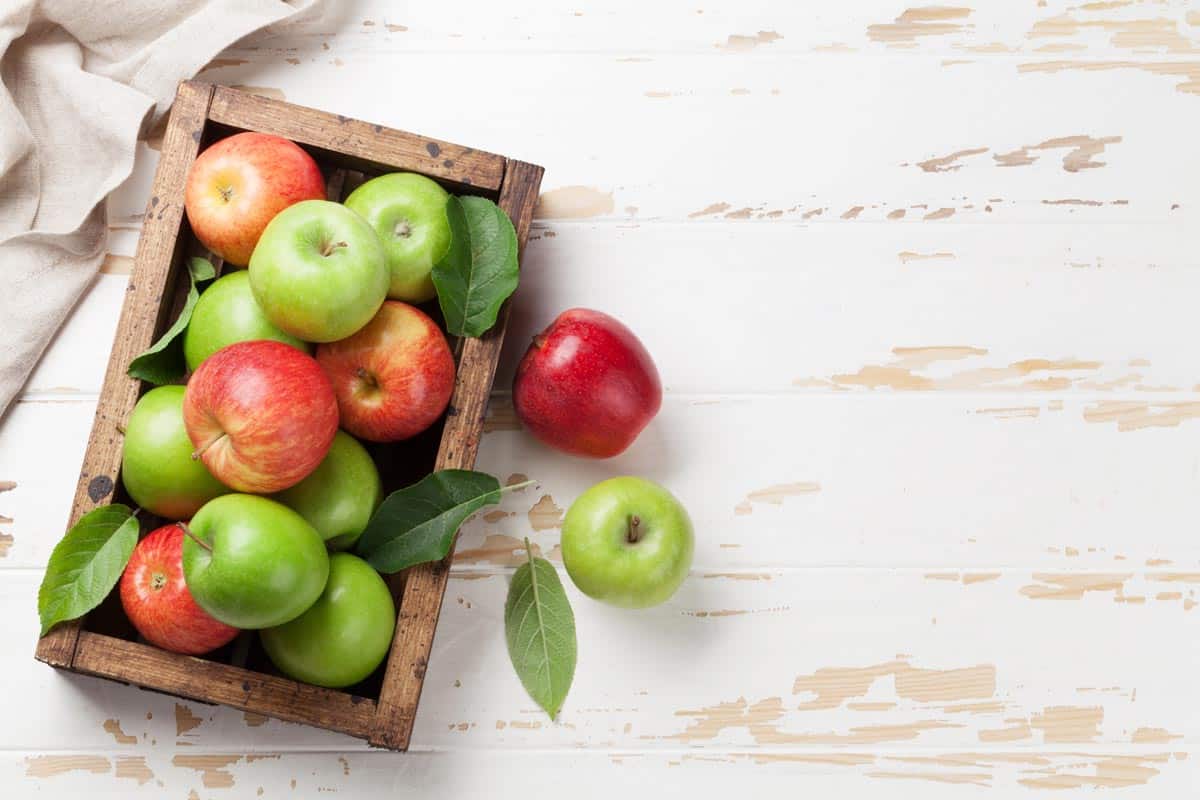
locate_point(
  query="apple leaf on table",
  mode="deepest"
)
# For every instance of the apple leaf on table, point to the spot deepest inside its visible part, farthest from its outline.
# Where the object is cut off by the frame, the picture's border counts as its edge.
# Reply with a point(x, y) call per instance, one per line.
point(417, 523)
point(540, 628)
point(163, 362)
point(86, 564)
point(479, 271)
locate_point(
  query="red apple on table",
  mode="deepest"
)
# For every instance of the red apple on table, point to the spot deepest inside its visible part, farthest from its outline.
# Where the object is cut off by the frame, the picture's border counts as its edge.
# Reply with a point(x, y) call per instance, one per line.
point(260, 414)
point(586, 385)
point(157, 601)
point(393, 378)
point(237, 185)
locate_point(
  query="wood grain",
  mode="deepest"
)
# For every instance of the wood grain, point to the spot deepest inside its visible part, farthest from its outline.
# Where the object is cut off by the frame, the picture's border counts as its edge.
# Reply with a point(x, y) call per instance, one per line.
point(356, 144)
point(426, 584)
point(143, 317)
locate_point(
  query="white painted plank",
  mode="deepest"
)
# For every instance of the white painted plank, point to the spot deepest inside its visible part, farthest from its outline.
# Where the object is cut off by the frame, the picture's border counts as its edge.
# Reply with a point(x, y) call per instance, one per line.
point(1061, 28)
point(137, 771)
point(790, 663)
point(790, 134)
point(922, 480)
point(786, 307)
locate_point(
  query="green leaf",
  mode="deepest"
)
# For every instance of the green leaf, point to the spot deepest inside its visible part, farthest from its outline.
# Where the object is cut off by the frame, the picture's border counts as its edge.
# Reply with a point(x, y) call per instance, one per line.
point(479, 271)
point(86, 564)
point(417, 523)
point(164, 362)
point(540, 628)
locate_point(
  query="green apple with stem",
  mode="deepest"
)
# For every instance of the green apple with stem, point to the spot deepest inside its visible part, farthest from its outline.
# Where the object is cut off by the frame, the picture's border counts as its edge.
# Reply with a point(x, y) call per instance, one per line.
point(627, 541)
point(251, 562)
point(226, 313)
point(157, 467)
point(340, 495)
point(319, 271)
point(408, 211)
point(344, 635)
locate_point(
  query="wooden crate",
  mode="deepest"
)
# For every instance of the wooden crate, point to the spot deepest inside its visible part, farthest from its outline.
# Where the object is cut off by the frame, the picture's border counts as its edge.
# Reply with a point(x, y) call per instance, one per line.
point(382, 708)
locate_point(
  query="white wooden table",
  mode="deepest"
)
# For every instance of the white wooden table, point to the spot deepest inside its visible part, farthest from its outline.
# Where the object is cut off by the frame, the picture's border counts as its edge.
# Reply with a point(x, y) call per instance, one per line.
point(922, 286)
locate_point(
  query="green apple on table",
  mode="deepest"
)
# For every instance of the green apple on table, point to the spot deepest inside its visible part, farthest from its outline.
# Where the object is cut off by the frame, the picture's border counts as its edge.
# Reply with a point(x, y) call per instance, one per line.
point(251, 562)
point(319, 271)
point(627, 541)
point(340, 495)
point(408, 211)
point(157, 467)
point(346, 633)
point(227, 313)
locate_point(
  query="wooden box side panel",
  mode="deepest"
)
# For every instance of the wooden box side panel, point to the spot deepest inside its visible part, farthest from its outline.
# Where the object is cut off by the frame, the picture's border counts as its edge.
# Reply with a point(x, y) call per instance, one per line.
point(426, 584)
point(356, 144)
point(142, 317)
point(213, 682)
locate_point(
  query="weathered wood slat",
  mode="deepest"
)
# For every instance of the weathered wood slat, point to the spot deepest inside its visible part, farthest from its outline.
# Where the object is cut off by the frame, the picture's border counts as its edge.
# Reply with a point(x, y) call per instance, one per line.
point(426, 584)
point(355, 143)
point(143, 316)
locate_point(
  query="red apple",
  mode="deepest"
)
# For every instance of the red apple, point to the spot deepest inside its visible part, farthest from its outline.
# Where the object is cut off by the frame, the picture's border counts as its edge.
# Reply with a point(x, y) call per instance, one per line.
point(157, 600)
point(586, 385)
point(260, 414)
point(240, 183)
point(393, 378)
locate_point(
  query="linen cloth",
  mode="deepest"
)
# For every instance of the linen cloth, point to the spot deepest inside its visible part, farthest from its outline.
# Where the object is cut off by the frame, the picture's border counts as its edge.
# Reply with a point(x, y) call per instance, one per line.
point(80, 79)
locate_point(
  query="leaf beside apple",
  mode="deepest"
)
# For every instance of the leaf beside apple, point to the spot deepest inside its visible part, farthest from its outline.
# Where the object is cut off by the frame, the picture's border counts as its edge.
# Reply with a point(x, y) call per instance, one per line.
point(163, 362)
point(479, 271)
point(86, 564)
point(539, 627)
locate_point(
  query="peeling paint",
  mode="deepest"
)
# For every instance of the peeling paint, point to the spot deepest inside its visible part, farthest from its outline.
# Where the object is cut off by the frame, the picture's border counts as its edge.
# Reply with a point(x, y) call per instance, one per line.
point(918, 22)
point(949, 163)
point(1073, 586)
point(1136, 416)
point(907, 256)
point(852, 212)
point(545, 515)
point(737, 43)
point(775, 495)
point(833, 686)
point(134, 768)
point(185, 720)
point(573, 202)
point(1059, 724)
point(49, 766)
point(714, 208)
point(1080, 154)
point(498, 550)
point(212, 768)
point(1189, 71)
point(113, 727)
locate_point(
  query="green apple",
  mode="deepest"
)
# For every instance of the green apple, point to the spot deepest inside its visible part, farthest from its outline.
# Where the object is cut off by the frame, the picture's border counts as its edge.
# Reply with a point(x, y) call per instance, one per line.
point(319, 271)
point(251, 562)
point(340, 495)
point(227, 313)
point(344, 636)
point(156, 464)
point(627, 541)
point(408, 211)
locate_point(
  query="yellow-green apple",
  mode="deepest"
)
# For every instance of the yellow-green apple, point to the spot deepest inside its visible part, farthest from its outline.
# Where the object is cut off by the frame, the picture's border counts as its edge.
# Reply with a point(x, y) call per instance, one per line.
point(157, 467)
point(261, 415)
point(340, 495)
point(408, 211)
point(252, 562)
point(226, 313)
point(627, 541)
point(346, 633)
point(238, 184)
point(157, 601)
point(586, 385)
point(319, 271)
point(393, 378)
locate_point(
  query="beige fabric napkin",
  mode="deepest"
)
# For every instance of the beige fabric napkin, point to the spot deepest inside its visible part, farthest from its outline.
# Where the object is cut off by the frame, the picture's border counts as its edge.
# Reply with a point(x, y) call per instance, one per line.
point(80, 79)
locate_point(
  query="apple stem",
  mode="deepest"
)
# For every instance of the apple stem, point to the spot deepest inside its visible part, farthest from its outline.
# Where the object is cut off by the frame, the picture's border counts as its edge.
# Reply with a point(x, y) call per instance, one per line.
point(199, 451)
point(329, 247)
point(635, 532)
point(188, 531)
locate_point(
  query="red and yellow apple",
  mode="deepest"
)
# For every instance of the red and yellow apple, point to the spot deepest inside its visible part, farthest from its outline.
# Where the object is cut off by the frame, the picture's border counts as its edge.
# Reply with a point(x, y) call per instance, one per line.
point(237, 185)
point(260, 414)
point(157, 601)
point(586, 385)
point(393, 378)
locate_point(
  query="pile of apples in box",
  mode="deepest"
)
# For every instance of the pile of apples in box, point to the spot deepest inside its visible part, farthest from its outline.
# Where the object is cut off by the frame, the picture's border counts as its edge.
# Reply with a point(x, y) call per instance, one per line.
point(279, 523)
